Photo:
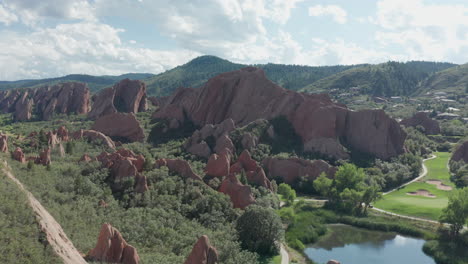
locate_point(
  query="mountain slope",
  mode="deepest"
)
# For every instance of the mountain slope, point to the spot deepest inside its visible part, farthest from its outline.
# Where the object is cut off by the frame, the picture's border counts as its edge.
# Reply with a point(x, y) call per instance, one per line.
point(386, 79)
point(95, 83)
point(196, 72)
point(454, 79)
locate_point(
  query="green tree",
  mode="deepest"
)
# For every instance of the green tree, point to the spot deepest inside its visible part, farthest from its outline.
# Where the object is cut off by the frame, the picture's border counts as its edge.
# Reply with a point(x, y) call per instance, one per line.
point(287, 192)
point(259, 229)
point(456, 212)
point(370, 195)
point(323, 185)
point(349, 176)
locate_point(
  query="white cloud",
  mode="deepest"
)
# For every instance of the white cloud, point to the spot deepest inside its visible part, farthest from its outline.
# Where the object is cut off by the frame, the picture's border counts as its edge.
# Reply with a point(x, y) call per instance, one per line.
point(424, 31)
point(6, 16)
point(338, 13)
point(79, 48)
point(31, 12)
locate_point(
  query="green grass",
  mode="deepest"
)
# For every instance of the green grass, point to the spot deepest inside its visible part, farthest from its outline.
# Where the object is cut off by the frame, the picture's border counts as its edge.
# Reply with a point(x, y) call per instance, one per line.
point(425, 207)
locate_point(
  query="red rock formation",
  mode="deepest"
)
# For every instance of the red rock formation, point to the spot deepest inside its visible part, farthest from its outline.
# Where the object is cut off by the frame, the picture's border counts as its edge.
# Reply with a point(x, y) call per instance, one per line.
point(218, 165)
point(202, 253)
point(241, 195)
point(332, 261)
point(63, 98)
point(3, 143)
point(431, 127)
point(128, 96)
point(19, 155)
point(120, 125)
point(291, 169)
point(62, 133)
point(8, 100)
point(23, 108)
point(124, 164)
point(219, 133)
point(85, 158)
point(247, 95)
point(111, 247)
point(95, 136)
point(52, 139)
point(254, 172)
point(178, 166)
point(44, 157)
point(461, 153)
point(158, 101)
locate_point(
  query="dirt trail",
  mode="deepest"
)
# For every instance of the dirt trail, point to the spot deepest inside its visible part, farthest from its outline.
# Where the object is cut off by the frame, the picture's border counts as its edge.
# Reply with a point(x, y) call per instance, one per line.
point(284, 255)
point(57, 238)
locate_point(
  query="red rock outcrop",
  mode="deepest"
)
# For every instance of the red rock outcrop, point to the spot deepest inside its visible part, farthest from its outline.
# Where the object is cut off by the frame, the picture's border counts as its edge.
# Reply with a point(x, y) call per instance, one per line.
point(254, 172)
point(219, 134)
point(291, 169)
point(111, 247)
point(124, 164)
point(461, 153)
point(52, 139)
point(178, 166)
point(19, 155)
point(85, 158)
point(94, 136)
point(123, 126)
point(23, 108)
point(218, 165)
point(241, 195)
point(202, 253)
point(3, 143)
point(247, 95)
point(431, 126)
point(44, 157)
point(62, 133)
point(63, 98)
point(128, 96)
point(158, 101)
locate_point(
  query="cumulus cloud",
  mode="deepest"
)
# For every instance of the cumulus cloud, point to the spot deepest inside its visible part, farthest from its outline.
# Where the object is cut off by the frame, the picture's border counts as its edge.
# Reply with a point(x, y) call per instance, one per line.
point(79, 48)
point(6, 16)
point(33, 11)
point(422, 30)
point(338, 14)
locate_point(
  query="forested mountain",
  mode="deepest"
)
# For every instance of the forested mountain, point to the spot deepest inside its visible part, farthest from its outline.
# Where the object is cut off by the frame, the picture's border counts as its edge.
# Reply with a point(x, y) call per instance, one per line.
point(386, 79)
point(454, 79)
point(95, 83)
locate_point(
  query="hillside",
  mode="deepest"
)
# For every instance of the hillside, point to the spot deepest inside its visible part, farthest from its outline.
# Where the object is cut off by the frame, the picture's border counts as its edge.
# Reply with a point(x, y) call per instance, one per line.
point(386, 79)
point(95, 83)
point(454, 79)
point(196, 72)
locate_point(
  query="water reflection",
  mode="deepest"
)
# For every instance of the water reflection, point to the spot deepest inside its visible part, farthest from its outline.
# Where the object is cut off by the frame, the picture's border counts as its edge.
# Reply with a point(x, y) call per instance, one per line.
point(352, 245)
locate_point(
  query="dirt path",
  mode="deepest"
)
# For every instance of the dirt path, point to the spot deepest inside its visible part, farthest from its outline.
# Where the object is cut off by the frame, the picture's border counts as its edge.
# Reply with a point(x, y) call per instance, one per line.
point(284, 255)
point(421, 175)
point(57, 238)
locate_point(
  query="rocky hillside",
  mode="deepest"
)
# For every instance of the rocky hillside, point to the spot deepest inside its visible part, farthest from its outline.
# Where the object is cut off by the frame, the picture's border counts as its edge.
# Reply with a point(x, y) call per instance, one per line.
point(246, 95)
point(386, 79)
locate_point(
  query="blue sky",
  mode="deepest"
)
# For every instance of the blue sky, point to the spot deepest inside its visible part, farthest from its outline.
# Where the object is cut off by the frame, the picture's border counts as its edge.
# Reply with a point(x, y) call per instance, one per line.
point(51, 38)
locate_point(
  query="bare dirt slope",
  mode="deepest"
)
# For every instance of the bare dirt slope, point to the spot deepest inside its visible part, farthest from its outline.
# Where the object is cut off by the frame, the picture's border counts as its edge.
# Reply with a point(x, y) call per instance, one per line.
point(57, 238)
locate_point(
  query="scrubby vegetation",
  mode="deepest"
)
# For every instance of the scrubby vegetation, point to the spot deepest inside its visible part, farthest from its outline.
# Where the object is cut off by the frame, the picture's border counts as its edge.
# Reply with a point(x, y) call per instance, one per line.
point(21, 237)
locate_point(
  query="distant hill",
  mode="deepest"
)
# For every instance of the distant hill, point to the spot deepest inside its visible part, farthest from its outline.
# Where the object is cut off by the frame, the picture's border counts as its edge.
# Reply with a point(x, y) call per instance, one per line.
point(454, 79)
point(386, 79)
point(196, 72)
point(95, 83)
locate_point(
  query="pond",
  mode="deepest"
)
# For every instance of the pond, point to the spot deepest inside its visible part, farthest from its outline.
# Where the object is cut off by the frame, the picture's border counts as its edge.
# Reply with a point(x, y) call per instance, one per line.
point(351, 245)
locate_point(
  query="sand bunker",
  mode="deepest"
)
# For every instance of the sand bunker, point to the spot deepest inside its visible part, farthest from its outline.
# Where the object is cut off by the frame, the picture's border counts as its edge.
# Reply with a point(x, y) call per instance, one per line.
point(422, 192)
point(440, 185)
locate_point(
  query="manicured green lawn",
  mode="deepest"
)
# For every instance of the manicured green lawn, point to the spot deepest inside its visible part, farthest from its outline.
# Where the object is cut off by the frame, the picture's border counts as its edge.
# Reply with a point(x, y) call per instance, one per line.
point(419, 206)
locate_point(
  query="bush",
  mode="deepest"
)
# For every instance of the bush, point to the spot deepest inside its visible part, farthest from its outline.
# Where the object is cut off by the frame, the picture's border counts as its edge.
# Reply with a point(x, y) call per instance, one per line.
point(259, 229)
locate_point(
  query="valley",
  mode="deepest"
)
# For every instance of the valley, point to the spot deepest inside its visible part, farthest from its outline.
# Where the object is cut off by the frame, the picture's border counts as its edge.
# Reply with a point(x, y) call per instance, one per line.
point(235, 168)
